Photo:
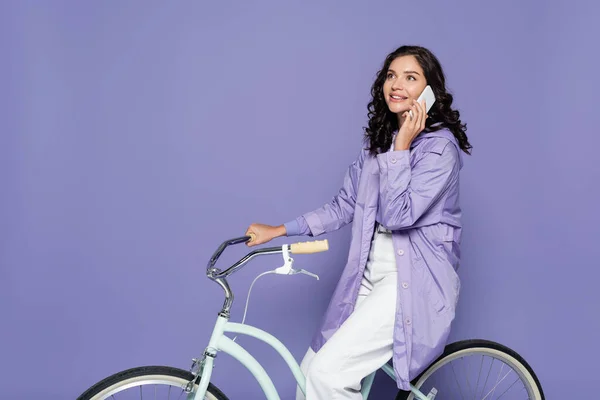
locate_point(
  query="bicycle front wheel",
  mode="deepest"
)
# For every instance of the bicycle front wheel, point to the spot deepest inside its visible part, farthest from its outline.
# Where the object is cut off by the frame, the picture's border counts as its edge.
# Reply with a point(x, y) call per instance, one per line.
point(478, 369)
point(151, 382)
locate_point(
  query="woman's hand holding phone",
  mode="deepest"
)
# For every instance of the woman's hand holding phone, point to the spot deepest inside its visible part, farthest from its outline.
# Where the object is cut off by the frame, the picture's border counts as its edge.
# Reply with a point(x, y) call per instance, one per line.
point(411, 125)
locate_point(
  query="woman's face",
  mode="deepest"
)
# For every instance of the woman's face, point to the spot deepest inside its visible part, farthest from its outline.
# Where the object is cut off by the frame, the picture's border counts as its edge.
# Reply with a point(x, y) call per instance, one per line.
point(404, 82)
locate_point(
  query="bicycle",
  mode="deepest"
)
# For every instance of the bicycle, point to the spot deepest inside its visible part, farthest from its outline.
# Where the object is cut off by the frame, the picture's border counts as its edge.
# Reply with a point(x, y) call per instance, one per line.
point(195, 382)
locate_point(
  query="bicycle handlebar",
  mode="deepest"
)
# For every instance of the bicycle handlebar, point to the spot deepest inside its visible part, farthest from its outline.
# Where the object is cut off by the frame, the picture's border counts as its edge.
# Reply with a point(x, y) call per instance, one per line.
point(222, 248)
point(315, 246)
point(219, 276)
point(296, 248)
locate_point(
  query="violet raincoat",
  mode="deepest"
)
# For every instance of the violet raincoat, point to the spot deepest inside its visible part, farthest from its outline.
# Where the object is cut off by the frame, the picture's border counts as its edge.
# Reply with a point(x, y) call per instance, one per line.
point(414, 193)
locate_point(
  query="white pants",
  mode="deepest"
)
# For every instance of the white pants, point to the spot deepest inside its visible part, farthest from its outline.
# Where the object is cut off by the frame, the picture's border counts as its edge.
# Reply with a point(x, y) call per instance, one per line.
point(364, 341)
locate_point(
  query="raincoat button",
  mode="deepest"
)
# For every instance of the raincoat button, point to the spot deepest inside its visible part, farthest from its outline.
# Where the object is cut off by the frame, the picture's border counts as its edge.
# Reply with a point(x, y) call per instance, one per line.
point(400, 252)
point(408, 321)
point(393, 160)
point(405, 285)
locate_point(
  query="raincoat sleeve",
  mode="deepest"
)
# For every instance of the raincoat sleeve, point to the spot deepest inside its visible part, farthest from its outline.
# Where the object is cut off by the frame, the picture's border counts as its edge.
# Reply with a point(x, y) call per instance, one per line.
point(335, 214)
point(297, 227)
point(406, 193)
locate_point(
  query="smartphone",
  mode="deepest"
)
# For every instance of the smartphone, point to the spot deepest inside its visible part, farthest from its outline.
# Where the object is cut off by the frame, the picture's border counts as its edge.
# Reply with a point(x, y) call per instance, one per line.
point(429, 98)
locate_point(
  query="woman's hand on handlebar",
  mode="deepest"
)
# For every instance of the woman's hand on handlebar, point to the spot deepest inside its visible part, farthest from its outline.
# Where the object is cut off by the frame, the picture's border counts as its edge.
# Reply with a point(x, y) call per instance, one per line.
point(262, 233)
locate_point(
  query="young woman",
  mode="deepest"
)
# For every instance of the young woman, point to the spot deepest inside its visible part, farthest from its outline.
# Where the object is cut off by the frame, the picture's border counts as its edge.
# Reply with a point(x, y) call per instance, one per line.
point(397, 294)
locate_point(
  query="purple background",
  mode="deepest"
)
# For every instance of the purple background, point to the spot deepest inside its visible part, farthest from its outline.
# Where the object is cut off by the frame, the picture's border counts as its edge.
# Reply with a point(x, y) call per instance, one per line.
point(136, 136)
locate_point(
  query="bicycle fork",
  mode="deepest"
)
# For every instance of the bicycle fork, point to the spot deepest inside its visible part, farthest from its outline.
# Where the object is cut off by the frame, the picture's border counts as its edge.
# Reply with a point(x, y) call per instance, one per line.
point(203, 367)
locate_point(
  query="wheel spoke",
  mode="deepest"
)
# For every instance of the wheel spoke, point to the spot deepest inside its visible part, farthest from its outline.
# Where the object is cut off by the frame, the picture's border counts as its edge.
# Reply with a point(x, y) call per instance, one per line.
point(497, 383)
point(478, 376)
point(516, 380)
point(488, 376)
point(467, 375)
point(456, 379)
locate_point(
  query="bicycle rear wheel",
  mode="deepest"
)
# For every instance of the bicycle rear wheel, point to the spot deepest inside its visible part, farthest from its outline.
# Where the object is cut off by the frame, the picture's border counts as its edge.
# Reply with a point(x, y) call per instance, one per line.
point(151, 382)
point(478, 369)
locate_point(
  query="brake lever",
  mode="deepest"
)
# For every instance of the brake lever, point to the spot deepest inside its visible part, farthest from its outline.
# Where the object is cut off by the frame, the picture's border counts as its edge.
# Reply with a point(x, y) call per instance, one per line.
point(305, 272)
point(287, 267)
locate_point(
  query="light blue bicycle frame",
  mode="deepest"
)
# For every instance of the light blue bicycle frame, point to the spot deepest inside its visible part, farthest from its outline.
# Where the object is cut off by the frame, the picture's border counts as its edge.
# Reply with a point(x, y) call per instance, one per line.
point(220, 342)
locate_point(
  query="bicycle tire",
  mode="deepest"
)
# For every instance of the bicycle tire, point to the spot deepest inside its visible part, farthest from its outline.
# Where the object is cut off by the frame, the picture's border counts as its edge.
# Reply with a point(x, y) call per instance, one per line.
point(464, 346)
point(174, 375)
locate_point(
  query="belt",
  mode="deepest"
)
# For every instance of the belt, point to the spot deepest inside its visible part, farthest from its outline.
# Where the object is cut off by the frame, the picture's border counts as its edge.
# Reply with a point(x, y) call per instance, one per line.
point(380, 229)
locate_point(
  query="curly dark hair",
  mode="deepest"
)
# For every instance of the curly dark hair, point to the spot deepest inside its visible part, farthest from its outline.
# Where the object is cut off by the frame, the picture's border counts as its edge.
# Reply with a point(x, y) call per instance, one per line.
point(382, 122)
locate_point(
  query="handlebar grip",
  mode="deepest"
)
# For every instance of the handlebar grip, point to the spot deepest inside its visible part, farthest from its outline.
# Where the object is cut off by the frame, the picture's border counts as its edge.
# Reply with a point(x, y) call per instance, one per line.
point(252, 237)
point(315, 246)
